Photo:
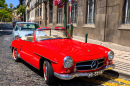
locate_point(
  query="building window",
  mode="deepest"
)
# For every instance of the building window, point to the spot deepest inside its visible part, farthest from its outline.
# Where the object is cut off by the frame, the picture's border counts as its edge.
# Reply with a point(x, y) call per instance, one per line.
point(73, 12)
point(51, 12)
point(35, 13)
point(126, 16)
point(40, 11)
point(40, 22)
point(90, 12)
point(59, 15)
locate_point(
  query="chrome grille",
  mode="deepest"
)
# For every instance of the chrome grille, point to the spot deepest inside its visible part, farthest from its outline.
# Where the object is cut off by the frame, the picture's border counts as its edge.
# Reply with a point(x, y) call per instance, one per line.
point(90, 65)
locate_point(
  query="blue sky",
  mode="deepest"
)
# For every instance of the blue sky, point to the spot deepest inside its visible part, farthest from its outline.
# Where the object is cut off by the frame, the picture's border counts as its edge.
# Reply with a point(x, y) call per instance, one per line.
point(14, 2)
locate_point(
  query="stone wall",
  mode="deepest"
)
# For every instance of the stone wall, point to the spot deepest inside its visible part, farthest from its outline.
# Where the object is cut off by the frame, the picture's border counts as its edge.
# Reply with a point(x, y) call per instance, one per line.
point(114, 22)
point(108, 25)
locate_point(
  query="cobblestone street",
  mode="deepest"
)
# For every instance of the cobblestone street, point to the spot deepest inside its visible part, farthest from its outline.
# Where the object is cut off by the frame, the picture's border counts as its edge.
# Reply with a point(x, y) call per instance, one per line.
point(22, 74)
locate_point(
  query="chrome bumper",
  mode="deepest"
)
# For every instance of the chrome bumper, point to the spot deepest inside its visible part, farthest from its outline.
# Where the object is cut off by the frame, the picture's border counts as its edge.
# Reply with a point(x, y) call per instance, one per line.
point(89, 74)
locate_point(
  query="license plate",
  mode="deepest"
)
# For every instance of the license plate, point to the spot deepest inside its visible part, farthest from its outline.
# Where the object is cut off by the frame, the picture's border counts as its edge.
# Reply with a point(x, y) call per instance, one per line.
point(95, 73)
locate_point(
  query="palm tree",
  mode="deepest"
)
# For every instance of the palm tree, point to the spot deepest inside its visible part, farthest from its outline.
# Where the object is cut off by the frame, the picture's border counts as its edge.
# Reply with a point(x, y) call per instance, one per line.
point(11, 5)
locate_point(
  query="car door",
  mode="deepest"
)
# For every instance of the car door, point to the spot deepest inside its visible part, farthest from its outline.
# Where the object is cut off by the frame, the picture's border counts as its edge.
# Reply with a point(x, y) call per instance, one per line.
point(27, 53)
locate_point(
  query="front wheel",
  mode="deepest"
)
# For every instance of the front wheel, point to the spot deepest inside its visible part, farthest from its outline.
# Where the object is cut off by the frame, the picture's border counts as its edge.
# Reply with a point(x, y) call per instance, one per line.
point(15, 55)
point(48, 73)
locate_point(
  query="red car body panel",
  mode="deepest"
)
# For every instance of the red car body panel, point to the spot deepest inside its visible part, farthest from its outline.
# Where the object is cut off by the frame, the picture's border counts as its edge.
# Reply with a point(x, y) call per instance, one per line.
point(56, 49)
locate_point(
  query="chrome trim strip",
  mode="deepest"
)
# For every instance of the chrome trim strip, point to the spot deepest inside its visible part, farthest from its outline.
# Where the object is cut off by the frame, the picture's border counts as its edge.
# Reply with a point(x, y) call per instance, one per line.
point(90, 65)
point(44, 57)
point(91, 60)
point(88, 74)
point(82, 65)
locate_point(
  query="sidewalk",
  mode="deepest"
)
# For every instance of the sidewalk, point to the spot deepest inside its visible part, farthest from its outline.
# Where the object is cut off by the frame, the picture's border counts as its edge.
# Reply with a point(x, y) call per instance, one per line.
point(122, 54)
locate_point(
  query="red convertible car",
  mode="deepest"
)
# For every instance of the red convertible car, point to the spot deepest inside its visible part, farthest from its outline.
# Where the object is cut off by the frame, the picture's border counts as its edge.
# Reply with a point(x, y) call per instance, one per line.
point(58, 56)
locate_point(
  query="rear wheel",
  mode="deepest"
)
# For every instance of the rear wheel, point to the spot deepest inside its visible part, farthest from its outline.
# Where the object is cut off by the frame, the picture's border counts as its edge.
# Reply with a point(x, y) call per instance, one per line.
point(48, 73)
point(15, 55)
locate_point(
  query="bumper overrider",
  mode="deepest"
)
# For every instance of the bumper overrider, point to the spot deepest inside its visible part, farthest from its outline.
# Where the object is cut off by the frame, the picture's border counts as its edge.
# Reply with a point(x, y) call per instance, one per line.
point(88, 74)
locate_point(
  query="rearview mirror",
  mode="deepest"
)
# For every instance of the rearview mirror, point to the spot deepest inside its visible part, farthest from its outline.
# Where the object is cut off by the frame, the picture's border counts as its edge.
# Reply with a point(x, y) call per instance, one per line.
point(30, 39)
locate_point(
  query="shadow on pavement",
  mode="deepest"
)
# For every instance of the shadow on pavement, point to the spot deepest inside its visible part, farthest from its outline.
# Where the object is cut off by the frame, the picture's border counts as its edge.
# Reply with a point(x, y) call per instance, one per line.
point(82, 81)
point(5, 33)
point(6, 29)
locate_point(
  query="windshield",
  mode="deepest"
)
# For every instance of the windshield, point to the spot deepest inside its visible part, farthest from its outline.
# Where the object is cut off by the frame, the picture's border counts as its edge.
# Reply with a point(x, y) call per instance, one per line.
point(27, 26)
point(50, 34)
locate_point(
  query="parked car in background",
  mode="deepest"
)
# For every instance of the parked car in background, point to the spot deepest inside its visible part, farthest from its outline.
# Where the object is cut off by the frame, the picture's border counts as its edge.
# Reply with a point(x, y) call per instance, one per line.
point(58, 56)
point(23, 28)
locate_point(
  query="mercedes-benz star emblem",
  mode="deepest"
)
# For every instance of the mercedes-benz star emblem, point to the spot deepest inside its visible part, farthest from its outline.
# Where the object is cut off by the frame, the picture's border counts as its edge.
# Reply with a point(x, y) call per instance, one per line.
point(94, 65)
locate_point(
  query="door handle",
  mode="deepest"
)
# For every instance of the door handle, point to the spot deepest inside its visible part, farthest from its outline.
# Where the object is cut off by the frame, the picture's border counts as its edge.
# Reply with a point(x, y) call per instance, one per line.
point(21, 45)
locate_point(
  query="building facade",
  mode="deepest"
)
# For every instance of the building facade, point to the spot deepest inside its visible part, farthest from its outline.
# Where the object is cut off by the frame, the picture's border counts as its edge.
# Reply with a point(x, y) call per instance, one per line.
point(34, 11)
point(104, 20)
point(14, 12)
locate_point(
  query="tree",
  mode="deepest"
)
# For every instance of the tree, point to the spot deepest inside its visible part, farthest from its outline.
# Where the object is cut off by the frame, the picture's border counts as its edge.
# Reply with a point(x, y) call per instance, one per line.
point(3, 4)
point(11, 5)
point(18, 6)
point(5, 13)
point(21, 10)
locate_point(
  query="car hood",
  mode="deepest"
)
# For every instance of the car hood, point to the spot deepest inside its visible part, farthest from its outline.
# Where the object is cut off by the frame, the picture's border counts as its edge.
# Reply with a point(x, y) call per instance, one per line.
point(73, 48)
point(22, 33)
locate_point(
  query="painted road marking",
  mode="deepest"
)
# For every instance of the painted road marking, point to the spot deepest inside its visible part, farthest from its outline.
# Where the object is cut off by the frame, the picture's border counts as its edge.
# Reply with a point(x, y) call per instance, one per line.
point(115, 81)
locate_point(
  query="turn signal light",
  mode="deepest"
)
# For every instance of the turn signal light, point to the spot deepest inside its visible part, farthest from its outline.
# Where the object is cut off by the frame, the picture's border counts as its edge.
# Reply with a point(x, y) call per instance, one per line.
point(68, 70)
point(111, 62)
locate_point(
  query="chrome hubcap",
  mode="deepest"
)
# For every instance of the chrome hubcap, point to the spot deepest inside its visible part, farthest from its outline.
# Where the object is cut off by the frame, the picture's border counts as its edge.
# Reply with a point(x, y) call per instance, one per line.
point(45, 71)
point(15, 54)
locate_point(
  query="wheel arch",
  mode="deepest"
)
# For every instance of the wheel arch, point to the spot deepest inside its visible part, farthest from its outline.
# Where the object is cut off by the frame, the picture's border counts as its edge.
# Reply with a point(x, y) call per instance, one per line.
point(42, 59)
point(12, 49)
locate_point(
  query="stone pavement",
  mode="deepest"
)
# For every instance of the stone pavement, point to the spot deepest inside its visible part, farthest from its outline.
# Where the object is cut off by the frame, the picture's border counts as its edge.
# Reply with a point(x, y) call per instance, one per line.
point(122, 54)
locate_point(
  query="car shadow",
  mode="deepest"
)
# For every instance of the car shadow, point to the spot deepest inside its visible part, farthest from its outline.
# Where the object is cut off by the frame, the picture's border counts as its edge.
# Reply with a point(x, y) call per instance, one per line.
point(82, 81)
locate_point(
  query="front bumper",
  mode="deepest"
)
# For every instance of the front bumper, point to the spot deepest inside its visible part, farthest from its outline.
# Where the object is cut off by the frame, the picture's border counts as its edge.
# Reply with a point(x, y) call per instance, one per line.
point(89, 74)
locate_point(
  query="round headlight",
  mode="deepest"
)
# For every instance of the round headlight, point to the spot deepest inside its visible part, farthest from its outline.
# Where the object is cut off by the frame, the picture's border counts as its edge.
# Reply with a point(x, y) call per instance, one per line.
point(67, 62)
point(110, 55)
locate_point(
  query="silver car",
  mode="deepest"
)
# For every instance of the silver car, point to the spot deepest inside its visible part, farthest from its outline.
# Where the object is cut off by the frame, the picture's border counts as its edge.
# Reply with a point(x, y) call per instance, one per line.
point(23, 28)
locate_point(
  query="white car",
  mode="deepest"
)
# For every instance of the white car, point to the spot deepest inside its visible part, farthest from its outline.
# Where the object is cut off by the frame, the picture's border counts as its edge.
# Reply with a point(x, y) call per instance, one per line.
point(23, 28)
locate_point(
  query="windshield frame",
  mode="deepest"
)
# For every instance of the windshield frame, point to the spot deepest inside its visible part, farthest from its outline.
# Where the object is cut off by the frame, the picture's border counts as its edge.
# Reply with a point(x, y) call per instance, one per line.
point(67, 35)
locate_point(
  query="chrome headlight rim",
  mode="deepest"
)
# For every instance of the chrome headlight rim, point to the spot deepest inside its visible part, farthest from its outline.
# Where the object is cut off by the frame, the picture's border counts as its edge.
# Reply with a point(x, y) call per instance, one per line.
point(67, 62)
point(110, 55)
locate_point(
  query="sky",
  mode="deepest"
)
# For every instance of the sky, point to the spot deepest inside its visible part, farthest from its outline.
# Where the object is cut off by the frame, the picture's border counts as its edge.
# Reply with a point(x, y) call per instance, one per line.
point(14, 2)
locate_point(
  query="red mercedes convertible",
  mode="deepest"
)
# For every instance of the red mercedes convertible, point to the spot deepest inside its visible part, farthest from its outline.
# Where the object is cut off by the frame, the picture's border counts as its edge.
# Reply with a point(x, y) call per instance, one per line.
point(58, 56)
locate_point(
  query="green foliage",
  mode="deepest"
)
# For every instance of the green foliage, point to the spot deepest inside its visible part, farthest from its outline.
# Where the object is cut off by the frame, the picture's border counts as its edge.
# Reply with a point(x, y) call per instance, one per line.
point(2, 4)
point(18, 6)
point(5, 13)
point(21, 10)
